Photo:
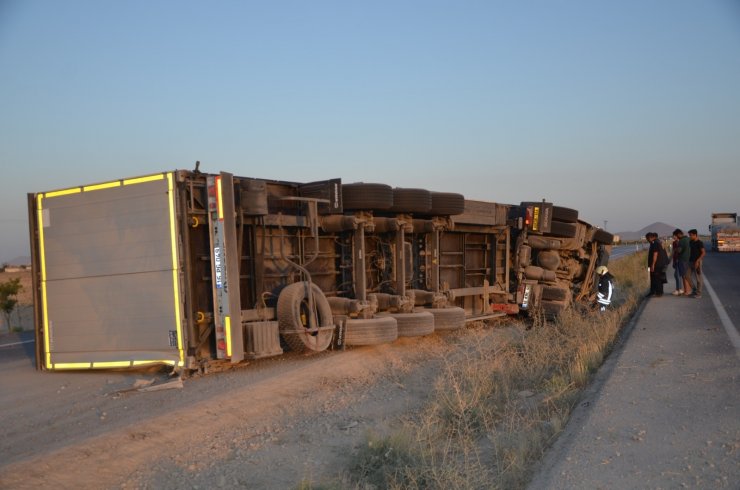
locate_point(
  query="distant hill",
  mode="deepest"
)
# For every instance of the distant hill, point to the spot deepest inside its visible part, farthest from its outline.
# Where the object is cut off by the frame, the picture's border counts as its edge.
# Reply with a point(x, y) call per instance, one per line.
point(662, 229)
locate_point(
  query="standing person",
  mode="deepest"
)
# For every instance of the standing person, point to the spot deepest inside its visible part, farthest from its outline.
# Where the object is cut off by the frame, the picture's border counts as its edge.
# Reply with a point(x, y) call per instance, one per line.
point(695, 259)
point(657, 262)
point(676, 272)
point(684, 254)
point(605, 287)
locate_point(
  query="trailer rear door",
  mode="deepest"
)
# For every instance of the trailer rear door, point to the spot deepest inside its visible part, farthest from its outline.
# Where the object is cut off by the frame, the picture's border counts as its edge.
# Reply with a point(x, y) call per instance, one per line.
point(109, 275)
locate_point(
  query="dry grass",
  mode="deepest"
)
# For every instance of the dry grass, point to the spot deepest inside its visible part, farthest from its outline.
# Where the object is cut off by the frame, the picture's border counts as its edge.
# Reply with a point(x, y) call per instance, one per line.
point(501, 401)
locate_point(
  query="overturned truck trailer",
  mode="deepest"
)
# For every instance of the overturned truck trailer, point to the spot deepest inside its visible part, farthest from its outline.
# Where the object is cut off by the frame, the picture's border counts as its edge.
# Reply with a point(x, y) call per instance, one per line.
point(187, 269)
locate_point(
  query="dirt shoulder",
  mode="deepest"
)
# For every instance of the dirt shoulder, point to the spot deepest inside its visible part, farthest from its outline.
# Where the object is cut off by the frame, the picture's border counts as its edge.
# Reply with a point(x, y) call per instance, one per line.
point(303, 415)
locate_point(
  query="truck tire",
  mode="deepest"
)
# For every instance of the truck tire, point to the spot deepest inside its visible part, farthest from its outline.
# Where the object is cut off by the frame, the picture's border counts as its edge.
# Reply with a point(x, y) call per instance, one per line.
point(566, 215)
point(411, 201)
point(565, 230)
point(412, 324)
point(603, 237)
point(446, 318)
point(361, 196)
point(371, 331)
point(447, 204)
point(554, 293)
point(292, 311)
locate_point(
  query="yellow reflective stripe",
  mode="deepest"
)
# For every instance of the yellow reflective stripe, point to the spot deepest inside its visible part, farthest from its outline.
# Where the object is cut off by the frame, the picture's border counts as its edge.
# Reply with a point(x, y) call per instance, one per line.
point(64, 192)
point(42, 259)
point(141, 363)
point(107, 364)
point(105, 185)
point(72, 365)
point(227, 327)
point(219, 198)
point(141, 180)
point(175, 275)
point(111, 364)
point(97, 187)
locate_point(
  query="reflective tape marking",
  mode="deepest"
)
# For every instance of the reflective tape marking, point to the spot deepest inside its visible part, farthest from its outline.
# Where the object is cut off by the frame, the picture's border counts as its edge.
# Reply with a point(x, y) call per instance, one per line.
point(111, 364)
point(141, 180)
point(175, 274)
point(72, 365)
point(97, 187)
point(227, 327)
point(64, 192)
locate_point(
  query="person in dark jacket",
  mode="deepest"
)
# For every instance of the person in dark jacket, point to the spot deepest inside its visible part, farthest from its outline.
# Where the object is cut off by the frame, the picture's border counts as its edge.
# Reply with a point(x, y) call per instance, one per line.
point(657, 263)
point(695, 259)
point(684, 255)
point(605, 287)
point(676, 271)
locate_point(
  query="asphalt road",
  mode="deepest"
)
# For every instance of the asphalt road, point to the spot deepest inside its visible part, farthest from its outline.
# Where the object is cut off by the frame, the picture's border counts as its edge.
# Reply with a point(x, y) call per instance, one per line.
point(722, 270)
point(664, 409)
point(619, 251)
point(17, 346)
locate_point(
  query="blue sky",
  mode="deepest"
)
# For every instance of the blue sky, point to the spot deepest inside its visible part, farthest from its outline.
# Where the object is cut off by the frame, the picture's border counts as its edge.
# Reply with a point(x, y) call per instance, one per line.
point(628, 111)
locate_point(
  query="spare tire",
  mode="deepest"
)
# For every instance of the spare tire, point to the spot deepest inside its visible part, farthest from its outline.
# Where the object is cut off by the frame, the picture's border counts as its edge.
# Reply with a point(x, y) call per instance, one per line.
point(566, 215)
point(361, 196)
point(292, 314)
point(447, 204)
point(371, 331)
point(411, 201)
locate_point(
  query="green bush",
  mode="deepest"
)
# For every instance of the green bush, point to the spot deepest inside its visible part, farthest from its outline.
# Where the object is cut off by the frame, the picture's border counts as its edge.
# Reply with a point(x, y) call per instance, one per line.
point(9, 298)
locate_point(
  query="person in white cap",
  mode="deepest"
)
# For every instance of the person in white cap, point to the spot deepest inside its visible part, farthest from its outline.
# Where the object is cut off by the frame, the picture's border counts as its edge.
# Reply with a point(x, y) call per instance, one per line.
point(605, 287)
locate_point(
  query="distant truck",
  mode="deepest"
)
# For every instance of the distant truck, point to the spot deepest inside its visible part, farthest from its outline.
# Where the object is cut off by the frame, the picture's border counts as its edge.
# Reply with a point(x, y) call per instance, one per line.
point(189, 270)
point(725, 232)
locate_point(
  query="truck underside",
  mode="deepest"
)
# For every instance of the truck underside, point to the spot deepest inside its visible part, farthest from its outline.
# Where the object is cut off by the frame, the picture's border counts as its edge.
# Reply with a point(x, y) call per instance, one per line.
point(185, 268)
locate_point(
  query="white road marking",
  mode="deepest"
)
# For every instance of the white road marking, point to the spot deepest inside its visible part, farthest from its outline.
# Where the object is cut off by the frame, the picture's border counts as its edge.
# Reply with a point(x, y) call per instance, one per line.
point(724, 317)
point(16, 343)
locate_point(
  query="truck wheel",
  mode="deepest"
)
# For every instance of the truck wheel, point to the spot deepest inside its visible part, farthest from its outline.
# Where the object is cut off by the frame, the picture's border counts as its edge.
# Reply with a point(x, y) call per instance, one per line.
point(446, 318)
point(604, 237)
point(411, 200)
point(554, 293)
point(565, 230)
point(361, 196)
point(371, 331)
point(447, 204)
point(293, 314)
point(412, 324)
point(566, 215)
